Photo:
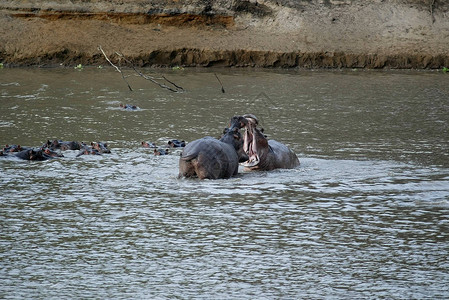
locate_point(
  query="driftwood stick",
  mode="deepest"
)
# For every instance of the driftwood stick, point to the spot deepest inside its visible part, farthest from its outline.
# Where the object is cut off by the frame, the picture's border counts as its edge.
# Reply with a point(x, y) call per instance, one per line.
point(222, 88)
point(172, 83)
point(117, 68)
point(177, 88)
point(432, 3)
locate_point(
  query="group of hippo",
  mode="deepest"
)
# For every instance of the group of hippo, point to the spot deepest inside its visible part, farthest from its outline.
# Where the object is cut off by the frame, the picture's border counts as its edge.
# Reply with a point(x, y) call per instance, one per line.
point(213, 159)
point(207, 157)
point(170, 144)
point(52, 149)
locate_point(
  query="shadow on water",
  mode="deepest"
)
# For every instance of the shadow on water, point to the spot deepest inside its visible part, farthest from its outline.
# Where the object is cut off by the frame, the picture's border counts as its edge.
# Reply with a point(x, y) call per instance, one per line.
point(365, 215)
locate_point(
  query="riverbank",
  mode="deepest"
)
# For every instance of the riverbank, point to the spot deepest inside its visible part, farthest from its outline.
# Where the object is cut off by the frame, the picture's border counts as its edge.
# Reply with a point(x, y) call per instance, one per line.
point(410, 34)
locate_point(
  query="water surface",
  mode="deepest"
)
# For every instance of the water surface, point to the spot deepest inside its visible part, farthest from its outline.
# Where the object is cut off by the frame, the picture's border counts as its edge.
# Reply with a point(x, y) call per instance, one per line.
point(364, 216)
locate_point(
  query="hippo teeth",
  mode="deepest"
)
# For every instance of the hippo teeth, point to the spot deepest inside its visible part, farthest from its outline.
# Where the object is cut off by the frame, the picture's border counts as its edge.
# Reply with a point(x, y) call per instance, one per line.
point(253, 161)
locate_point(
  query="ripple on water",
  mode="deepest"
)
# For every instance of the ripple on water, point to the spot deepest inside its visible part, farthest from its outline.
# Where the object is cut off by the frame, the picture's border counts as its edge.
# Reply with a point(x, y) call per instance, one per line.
point(364, 216)
point(333, 225)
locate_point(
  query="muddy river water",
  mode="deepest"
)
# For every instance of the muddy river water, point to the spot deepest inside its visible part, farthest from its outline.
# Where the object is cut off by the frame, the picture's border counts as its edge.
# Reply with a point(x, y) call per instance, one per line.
point(365, 216)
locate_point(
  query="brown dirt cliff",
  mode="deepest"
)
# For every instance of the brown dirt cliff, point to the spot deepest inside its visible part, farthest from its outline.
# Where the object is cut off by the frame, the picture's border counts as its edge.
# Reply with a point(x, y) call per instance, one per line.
point(302, 33)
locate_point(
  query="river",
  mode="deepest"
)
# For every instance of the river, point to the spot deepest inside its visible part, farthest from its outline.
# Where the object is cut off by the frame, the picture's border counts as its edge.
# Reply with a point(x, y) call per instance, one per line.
point(365, 216)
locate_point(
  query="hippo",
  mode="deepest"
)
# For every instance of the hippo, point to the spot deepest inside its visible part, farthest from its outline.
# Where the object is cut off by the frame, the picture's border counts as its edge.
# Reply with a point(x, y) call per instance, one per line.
point(161, 152)
point(129, 106)
point(14, 148)
point(53, 145)
point(32, 154)
point(51, 153)
point(149, 145)
point(210, 158)
point(71, 145)
point(265, 154)
point(176, 143)
point(86, 150)
point(62, 145)
point(101, 147)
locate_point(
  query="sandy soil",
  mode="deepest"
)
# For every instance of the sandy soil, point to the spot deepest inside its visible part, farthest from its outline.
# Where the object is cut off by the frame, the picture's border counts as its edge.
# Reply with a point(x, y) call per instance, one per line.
point(312, 34)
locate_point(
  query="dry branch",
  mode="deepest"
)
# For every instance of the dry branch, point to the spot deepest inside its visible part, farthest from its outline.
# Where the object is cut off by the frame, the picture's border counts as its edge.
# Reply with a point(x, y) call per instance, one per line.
point(222, 88)
point(117, 68)
point(175, 89)
point(432, 3)
point(172, 83)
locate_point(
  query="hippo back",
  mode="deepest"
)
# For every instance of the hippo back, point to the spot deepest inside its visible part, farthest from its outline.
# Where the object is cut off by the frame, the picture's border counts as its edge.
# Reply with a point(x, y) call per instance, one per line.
point(283, 157)
point(208, 158)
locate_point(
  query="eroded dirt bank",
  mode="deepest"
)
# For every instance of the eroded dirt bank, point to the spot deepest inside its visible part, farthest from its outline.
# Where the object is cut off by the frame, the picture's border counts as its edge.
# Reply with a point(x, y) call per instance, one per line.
point(307, 33)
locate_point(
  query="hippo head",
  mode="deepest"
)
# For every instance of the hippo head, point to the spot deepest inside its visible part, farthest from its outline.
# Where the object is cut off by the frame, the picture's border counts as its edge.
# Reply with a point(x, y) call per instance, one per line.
point(51, 153)
point(37, 154)
point(101, 147)
point(238, 122)
point(232, 136)
point(255, 143)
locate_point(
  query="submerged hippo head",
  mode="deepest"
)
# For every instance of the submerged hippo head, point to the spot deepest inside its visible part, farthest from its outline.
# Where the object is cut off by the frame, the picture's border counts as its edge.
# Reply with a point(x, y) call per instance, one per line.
point(101, 147)
point(51, 153)
point(32, 154)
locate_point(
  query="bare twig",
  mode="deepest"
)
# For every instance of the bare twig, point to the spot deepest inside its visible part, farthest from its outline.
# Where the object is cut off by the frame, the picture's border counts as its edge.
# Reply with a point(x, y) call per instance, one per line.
point(432, 3)
point(222, 88)
point(117, 68)
point(177, 88)
point(172, 83)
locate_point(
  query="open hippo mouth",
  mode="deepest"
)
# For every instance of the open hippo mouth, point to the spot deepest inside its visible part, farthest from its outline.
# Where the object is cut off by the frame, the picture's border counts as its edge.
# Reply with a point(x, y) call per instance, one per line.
point(249, 142)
